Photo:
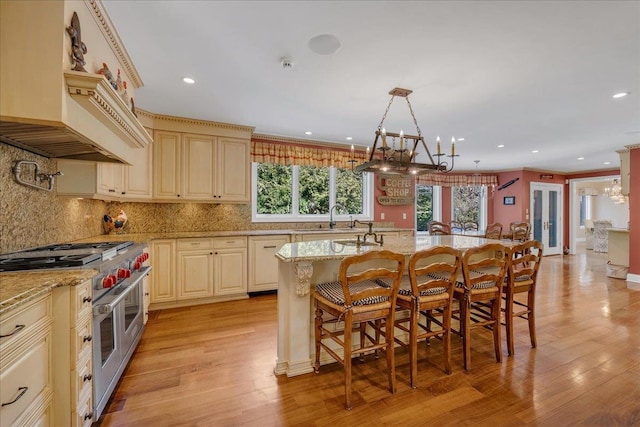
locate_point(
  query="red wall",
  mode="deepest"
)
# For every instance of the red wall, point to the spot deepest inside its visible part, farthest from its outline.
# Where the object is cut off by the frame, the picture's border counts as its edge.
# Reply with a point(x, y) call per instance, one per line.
point(392, 213)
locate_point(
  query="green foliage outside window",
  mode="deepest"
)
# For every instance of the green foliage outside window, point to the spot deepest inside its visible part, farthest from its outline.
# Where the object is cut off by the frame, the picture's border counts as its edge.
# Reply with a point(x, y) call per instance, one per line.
point(313, 190)
point(424, 206)
point(349, 190)
point(274, 189)
point(466, 202)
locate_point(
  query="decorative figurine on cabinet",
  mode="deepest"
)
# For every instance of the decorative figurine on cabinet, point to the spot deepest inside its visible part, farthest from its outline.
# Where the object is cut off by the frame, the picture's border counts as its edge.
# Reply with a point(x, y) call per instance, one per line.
point(105, 71)
point(78, 48)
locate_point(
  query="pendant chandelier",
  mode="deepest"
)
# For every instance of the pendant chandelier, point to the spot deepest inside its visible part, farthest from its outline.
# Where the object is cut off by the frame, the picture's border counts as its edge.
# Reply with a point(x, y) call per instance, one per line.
point(387, 157)
point(615, 193)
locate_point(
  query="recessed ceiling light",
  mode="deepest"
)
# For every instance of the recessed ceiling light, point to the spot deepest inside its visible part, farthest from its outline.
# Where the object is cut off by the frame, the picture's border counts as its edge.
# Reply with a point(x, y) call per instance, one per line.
point(621, 94)
point(349, 138)
point(460, 139)
point(308, 133)
point(501, 146)
point(607, 163)
point(534, 151)
point(580, 158)
point(188, 80)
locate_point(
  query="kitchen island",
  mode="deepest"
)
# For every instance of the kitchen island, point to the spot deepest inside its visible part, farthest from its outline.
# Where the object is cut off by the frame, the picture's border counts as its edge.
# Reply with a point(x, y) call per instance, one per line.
point(303, 264)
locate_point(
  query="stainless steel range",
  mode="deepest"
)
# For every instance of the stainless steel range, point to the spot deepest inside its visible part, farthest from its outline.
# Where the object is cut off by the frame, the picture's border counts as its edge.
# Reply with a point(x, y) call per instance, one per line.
point(117, 298)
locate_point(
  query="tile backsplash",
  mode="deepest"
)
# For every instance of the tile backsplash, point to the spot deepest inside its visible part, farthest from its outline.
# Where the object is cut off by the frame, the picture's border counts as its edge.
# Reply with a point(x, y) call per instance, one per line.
point(30, 217)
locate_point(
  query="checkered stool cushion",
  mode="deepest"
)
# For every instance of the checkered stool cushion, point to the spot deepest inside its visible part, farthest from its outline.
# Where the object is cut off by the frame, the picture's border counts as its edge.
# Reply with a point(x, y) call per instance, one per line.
point(332, 291)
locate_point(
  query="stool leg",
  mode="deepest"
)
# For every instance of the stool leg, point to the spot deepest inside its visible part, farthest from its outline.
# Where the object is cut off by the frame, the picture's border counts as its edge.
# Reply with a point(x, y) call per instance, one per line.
point(318, 336)
point(348, 333)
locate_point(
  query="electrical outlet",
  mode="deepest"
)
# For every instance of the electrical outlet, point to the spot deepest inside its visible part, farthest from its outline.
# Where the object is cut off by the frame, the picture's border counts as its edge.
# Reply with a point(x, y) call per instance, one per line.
point(382, 215)
point(404, 215)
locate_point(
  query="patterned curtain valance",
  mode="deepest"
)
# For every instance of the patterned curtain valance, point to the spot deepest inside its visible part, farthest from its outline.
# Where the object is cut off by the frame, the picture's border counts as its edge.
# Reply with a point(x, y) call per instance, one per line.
point(449, 180)
point(288, 153)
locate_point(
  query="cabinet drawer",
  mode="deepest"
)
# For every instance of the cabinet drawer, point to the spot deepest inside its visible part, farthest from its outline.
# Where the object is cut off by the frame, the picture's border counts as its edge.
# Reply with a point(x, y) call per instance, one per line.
point(21, 322)
point(81, 380)
point(186, 244)
point(24, 380)
point(231, 242)
point(82, 342)
point(81, 300)
point(84, 414)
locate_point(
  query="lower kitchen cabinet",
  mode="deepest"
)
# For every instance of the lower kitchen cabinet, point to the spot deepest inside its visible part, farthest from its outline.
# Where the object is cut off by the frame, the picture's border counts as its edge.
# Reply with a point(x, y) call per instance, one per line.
point(197, 270)
point(72, 355)
point(26, 375)
point(162, 255)
point(263, 265)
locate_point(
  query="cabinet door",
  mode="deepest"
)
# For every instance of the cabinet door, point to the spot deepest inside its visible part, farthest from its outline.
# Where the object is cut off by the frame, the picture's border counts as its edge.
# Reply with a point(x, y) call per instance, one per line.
point(110, 179)
point(162, 253)
point(195, 274)
point(166, 165)
point(233, 172)
point(137, 177)
point(263, 265)
point(230, 271)
point(198, 166)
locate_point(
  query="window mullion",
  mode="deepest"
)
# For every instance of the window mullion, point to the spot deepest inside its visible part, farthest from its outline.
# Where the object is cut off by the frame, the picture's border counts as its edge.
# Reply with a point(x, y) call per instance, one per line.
point(295, 187)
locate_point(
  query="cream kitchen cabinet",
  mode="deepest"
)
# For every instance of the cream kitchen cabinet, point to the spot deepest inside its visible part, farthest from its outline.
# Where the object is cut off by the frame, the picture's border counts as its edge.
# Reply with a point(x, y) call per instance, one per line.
point(162, 254)
point(195, 167)
point(195, 268)
point(625, 170)
point(230, 266)
point(26, 375)
point(263, 265)
point(72, 355)
point(107, 181)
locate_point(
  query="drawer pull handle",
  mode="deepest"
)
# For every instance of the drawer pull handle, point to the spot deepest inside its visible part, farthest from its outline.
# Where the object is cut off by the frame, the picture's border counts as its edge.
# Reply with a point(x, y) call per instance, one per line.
point(269, 247)
point(17, 329)
point(231, 241)
point(87, 338)
point(87, 377)
point(88, 416)
point(22, 390)
point(86, 299)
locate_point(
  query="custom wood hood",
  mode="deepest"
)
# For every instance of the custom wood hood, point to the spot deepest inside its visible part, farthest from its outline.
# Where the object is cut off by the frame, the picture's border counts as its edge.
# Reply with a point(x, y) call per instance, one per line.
point(47, 108)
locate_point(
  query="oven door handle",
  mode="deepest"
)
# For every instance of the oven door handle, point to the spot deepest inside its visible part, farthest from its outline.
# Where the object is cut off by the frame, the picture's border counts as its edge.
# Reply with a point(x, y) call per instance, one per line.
point(103, 309)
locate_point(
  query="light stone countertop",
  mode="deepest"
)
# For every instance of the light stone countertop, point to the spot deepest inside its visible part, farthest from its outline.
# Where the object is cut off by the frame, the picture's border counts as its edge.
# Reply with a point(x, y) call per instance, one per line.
point(321, 250)
point(17, 288)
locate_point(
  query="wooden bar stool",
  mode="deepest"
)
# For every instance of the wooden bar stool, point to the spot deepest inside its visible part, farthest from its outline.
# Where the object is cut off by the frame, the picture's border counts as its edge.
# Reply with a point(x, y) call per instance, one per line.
point(358, 300)
point(522, 275)
point(428, 291)
point(480, 294)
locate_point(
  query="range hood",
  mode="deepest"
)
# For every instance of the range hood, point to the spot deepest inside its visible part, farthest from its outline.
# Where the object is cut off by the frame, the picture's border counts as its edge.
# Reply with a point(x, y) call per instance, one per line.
point(51, 110)
point(101, 107)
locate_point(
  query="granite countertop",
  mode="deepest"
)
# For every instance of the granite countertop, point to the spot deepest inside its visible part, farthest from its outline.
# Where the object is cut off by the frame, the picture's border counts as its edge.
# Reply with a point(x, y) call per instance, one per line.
point(21, 287)
point(321, 250)
point(147, 237)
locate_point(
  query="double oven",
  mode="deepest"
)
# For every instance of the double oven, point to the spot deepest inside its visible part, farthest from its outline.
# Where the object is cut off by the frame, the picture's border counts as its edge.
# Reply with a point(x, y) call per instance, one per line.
point(117, 299)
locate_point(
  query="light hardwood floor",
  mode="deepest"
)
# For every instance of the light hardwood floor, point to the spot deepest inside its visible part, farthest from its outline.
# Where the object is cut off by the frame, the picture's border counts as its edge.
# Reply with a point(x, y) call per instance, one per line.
point(212, 365)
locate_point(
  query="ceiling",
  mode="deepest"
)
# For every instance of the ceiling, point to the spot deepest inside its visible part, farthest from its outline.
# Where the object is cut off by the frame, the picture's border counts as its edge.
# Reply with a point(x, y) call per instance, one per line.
point(531, 75)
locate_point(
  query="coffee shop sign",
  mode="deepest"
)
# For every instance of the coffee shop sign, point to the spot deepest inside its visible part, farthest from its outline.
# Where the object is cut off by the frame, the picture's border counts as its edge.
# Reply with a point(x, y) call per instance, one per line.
point(398, 190)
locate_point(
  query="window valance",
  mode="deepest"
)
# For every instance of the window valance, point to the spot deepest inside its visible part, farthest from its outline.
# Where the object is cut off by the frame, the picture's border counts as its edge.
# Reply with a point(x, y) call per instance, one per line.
point(292, 152)
point(453, 180)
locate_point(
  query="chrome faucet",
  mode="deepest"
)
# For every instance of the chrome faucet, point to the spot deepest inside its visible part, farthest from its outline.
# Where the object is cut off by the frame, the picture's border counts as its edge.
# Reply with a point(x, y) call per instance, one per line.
point(332, 223)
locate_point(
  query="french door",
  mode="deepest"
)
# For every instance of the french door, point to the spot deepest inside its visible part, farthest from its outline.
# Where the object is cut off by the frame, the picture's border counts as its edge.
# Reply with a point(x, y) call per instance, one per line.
point(546, 206)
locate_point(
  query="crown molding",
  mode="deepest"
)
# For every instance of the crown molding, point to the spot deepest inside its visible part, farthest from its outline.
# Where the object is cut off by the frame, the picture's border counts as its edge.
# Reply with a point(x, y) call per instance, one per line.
point(302, 141)
point(108, 30)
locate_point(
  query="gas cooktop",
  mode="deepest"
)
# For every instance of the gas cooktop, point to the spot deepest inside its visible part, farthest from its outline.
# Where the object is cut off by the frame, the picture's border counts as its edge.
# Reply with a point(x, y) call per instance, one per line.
point(61, 256)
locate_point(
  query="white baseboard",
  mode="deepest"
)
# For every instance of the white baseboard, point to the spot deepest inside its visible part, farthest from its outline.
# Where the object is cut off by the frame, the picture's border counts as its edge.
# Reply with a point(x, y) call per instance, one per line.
point(633, 278)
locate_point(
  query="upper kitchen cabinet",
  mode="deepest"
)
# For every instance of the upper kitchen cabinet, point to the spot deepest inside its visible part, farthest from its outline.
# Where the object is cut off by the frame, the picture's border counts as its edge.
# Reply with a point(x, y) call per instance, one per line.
point(53, 100)
point(200, 161)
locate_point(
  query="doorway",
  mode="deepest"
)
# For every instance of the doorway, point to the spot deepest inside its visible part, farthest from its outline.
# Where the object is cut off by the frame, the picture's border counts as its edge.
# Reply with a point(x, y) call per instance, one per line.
point(546, 206)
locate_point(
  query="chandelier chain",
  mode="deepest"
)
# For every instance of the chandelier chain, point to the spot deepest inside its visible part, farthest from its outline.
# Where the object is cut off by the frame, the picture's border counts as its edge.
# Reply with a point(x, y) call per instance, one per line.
point(415, 122)
point(384, 116)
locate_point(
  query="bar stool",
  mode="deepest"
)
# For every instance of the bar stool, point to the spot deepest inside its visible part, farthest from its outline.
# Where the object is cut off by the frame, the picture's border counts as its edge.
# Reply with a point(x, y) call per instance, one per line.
point(358, 300)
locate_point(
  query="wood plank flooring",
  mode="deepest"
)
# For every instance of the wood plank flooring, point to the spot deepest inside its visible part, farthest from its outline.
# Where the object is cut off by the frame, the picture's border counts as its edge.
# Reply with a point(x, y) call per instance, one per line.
point(212, 365)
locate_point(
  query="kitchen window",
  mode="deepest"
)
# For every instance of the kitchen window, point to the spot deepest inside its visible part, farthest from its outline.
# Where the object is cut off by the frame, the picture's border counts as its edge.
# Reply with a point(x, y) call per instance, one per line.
point(306, 193)
point(469, 204)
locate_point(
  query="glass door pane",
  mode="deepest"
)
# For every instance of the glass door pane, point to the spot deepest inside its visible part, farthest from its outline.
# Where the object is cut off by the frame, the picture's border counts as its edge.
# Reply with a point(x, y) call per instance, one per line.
point(553, 215)
point(537, 215)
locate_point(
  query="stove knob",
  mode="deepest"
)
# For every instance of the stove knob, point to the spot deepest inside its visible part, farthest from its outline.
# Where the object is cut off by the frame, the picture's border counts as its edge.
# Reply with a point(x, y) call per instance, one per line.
point(114, 279)
point(137, 265)
point(123, 273)
point(106, 282)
